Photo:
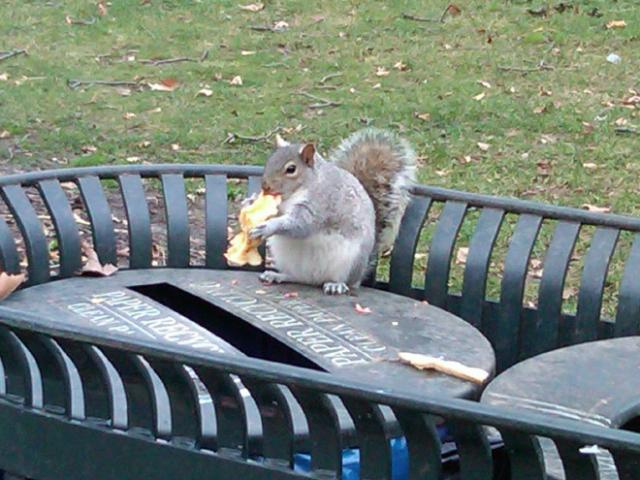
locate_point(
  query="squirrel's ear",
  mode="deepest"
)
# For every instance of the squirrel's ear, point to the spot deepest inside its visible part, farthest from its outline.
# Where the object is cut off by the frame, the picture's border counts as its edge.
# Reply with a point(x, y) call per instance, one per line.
point(281, 142)
point(307, 153)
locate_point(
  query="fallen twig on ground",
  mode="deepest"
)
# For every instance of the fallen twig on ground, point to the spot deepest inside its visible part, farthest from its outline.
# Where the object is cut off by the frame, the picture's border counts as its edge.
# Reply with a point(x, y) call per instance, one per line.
point(627, 130)
point(408, 16)
point(11, 53)
point(262, 28)
point(329, 77)
point(232, 137)
point(541, 66)
point(73, 83)
point(88, 21)
point(166, 61)
point(322, 102)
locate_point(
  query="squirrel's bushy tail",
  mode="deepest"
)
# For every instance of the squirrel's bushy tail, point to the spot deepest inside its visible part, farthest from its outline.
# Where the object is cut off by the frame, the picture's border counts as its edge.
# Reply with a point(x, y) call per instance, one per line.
point(385, 164)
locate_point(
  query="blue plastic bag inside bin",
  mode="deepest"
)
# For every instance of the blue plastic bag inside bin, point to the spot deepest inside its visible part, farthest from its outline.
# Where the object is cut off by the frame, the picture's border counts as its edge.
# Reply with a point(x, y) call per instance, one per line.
point(351, 459)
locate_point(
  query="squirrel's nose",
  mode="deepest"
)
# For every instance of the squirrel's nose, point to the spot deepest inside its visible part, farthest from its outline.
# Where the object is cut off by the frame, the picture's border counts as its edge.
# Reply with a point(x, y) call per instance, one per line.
point(266, 188)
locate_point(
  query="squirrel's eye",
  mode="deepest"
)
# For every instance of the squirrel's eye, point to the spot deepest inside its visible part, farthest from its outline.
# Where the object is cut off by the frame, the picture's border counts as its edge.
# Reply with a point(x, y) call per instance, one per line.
point(291, 169)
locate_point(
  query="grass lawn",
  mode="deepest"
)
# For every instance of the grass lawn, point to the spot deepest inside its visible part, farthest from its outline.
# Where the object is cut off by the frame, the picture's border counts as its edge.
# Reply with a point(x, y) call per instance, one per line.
point(511, 98)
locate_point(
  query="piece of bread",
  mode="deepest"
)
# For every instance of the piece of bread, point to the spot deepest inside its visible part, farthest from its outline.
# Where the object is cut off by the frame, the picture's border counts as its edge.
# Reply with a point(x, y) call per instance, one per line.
point(242, 249)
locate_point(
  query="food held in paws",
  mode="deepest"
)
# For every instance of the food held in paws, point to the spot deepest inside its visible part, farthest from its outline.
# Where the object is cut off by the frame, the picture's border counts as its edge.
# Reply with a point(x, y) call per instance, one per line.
point(242, 249)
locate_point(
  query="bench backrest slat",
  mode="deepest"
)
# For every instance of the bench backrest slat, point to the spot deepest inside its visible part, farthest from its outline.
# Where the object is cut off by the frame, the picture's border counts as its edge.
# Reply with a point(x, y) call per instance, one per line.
point(65, 225)
point(37, 248)
point(477, 267)
point(175, 204)
point(9, 259)
point(541, 335)
point(138, 220)
point(216, 212)
point(441, 249)
point(401, 269)
point(594, 274)
point(99, 211)
point(504, 331)
point(628, 316)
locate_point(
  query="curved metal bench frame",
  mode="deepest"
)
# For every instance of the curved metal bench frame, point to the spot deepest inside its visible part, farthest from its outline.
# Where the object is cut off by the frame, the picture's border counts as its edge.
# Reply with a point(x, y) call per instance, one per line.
point(46, 421)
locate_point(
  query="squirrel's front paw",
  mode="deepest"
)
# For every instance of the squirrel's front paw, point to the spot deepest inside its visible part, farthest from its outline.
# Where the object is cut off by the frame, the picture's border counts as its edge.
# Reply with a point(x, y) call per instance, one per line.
point(248, 201)
point(264, 230)
point(261, 231)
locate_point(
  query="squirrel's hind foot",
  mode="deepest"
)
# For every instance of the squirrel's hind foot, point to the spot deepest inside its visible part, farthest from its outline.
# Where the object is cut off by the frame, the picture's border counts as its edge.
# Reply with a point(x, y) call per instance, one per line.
point(269, 276)
point(333, 288)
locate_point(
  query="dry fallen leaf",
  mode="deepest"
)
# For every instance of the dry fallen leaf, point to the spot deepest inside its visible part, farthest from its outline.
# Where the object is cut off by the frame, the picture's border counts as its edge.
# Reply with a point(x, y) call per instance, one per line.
point(536, 268)
point(632, 100)
point(246, 53)
point(280, 26)
point(484, 83)
point(454, 10)
point(93, 267)
point(8, 283)
point(595, 208)
point(291, 295)
point(88, 149)
point(204, 92)
point(125, 92)
point(587, 128)
point(129, 115)
point(483, 146)
point(252, 7)
point(175, 147)
point(401, 66)
point(541, 109)
point(360, 309)
point(479, 97)
point(423, 116)
point(234, 282)
point(261, 292)
point(4, 77)
point(621, 121)
point(4, 134)
point(382, 72)
point(542, 92)
point(132, 159)
point(616, 24)
point(79, 220)
point(102, 9)
point(454, 369)
point(165, 85)
point(590, 166)
point(461, 255)
point(237, 80)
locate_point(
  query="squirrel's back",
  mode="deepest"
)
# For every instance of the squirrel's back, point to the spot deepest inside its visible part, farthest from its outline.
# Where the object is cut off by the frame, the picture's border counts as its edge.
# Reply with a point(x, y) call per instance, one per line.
point(385, 165)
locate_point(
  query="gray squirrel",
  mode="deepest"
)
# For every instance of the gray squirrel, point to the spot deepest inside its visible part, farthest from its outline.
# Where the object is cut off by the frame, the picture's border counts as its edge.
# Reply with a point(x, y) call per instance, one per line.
point(335, 214)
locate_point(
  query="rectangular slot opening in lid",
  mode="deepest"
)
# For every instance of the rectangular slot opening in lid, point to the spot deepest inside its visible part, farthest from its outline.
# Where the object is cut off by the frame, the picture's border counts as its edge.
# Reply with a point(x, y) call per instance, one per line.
point(234, 330)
